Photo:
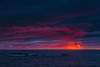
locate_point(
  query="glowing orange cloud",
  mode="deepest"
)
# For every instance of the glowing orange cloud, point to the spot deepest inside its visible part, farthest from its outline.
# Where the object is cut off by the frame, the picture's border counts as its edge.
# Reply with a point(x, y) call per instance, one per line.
point(73, 45)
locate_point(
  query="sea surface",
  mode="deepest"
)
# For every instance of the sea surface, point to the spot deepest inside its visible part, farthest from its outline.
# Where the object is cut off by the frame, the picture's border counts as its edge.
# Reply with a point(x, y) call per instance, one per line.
point(75, 58)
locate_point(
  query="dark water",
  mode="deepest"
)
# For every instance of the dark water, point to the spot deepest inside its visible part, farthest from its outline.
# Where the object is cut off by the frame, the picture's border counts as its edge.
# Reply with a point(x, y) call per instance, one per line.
point(75, 58)
point(55, 52)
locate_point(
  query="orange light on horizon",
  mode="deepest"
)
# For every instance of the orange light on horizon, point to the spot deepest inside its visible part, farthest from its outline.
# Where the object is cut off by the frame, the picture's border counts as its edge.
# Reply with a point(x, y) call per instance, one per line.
point(73, 45)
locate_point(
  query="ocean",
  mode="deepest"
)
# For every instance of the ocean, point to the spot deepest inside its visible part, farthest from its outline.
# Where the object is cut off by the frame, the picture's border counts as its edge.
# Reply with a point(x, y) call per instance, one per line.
point(74, 58)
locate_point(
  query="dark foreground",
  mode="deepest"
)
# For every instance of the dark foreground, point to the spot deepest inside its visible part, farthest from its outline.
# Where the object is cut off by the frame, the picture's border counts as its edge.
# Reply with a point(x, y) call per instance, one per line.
point(75, 58)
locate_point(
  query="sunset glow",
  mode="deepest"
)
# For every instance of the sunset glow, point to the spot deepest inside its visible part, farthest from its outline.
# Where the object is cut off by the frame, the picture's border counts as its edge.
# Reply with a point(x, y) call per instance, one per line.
point(49, 24)
point(73, 45)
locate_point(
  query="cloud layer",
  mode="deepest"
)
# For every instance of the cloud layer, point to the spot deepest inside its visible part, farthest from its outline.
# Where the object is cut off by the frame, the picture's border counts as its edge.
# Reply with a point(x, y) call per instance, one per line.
point(30, 24)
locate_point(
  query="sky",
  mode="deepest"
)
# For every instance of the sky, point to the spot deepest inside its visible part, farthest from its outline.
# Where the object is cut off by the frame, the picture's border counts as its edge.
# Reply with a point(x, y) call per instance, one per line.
point(49, 24)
